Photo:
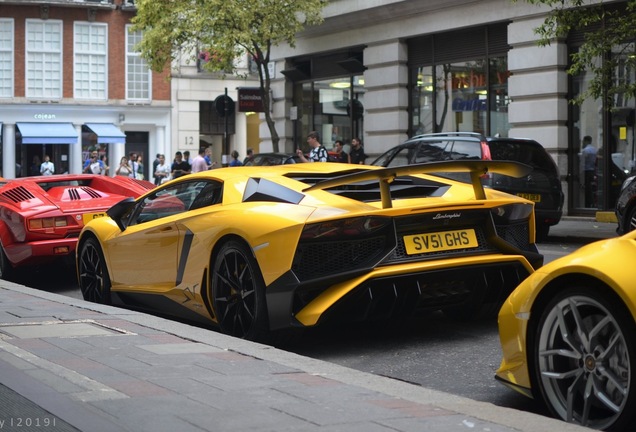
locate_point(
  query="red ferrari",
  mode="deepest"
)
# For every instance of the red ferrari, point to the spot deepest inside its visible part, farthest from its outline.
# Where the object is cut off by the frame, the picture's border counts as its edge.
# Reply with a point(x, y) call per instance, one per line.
point(41, 217)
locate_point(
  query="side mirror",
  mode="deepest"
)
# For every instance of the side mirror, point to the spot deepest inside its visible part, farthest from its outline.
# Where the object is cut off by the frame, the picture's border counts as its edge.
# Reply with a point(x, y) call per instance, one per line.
point(119, 210)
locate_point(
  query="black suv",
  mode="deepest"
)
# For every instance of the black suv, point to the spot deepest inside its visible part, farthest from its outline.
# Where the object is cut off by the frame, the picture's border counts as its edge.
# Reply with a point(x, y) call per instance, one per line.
point(542, 185)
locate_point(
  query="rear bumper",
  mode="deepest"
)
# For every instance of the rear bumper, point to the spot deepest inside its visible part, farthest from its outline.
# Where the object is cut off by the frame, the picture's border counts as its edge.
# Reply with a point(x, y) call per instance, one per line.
point(21, 254)
point(399, 290)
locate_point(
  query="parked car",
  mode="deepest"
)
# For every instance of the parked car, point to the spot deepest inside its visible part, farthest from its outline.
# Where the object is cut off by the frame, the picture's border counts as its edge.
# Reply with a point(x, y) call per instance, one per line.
point(568, 335)
point(542, 185)
point(41, 217)
point(626, 206)
point(254, 251)
point(268, 159)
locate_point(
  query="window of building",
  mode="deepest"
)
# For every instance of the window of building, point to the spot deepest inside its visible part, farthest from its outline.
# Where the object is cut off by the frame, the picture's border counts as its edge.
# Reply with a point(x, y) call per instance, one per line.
point(90, 65)
point(459, 82)
point(332, 107)
point(44, 59)
point(138, 76)
point(602, 142)
point(6, 58)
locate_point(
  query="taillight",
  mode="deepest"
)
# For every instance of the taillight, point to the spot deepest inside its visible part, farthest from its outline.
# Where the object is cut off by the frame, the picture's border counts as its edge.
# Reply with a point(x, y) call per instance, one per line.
point(353, 227)
point(47, 223)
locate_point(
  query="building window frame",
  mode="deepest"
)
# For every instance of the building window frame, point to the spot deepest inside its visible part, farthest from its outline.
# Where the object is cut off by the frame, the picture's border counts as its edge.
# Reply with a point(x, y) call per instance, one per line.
point(90, 72)
point(138, 75)
point(7, 48)
point(43, 59)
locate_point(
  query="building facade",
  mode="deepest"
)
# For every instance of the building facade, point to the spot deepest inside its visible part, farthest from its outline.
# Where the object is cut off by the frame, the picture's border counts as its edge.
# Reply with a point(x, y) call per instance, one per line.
point(384, 71)
point(71, 82)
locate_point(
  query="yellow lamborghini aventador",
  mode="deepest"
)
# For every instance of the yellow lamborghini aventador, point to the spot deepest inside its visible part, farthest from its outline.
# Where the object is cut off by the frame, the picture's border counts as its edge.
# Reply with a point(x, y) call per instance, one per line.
point(568, 335)
point(254, 249)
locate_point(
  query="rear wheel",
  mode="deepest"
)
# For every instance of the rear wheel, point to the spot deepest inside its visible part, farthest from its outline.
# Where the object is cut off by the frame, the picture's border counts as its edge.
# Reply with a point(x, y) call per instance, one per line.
point(583, 359)
point(7, 271)
point(238, 292)
point(93, 280)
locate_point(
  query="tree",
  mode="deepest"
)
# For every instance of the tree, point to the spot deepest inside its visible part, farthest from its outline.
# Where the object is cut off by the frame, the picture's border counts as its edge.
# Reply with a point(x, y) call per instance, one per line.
point(607, 29)
point(226, 29)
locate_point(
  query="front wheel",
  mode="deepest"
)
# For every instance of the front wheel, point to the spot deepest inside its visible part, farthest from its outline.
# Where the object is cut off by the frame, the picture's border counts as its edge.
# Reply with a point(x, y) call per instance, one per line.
point(238, 292)
point(93, 278)
point(583, 359)
point(631, 220)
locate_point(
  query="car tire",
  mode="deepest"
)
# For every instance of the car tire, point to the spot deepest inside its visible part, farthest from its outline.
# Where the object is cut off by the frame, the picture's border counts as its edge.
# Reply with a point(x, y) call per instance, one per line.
point(630, 220)
point(582, 358)
point(93, 278)
point(7, 271)
point(238, 292)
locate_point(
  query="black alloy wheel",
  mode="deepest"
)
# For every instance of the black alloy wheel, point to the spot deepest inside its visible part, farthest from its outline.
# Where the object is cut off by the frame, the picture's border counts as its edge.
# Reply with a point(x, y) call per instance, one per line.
point(93, 276)
point(584, 359)
point(238, 292)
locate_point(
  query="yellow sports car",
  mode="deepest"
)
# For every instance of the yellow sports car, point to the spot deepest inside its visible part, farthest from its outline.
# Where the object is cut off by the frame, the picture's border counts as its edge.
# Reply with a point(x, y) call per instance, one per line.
point(568, 335)
point(256, 249)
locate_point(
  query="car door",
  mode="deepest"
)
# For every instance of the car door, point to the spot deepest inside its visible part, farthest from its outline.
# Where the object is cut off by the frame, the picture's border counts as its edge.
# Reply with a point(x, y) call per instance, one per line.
point(145, 256)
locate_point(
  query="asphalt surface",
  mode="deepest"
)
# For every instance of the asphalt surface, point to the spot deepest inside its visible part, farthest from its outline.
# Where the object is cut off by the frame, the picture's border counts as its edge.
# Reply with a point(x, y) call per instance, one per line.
point(68, 365)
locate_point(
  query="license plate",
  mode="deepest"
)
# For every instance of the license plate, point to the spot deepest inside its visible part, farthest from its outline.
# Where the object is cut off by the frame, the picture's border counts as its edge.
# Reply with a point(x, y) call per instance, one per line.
point(87, 217)
point(530, 197)
point(440, 241)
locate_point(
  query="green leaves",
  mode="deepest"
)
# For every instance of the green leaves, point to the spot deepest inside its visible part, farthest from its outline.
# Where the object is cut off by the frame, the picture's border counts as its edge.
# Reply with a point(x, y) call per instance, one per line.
point(607, 50)
point(225, 29)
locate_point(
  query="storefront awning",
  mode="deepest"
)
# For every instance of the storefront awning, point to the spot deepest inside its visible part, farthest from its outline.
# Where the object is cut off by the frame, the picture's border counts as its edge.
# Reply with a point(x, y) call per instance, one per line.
point(107, 133)
point(47, 133)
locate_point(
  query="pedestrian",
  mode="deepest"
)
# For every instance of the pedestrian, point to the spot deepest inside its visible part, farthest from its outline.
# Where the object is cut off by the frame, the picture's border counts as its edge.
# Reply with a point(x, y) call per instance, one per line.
point(357, 155)
point(590, 154)
point(93, 165)
point(249, 157)
point(318, 152)
point(186, 157)
point(341, 155)
point(198, 163)
point(103, 159)
point(139, 168)
point(47, 167)
point(35, 166)
point(179, 167)
point(162, 171)
point(123, 169)
point(235, 162)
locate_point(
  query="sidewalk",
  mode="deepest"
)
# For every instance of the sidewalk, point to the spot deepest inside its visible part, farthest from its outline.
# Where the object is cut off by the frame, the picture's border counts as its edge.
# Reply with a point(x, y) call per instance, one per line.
point(68, 365)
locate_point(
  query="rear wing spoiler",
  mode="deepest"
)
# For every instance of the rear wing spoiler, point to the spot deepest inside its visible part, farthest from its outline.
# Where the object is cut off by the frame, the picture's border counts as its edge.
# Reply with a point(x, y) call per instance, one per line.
point(385, 176)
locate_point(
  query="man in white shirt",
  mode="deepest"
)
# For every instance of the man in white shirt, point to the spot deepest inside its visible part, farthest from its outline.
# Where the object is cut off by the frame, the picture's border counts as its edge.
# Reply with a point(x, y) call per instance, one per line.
point(47, 167)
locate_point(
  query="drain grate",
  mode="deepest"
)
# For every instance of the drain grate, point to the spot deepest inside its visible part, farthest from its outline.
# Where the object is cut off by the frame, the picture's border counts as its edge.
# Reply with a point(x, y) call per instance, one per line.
point(61, 329)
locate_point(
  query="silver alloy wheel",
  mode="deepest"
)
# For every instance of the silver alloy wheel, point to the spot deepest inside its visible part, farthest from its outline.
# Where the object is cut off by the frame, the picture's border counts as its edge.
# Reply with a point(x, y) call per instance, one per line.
point(584, 362)
point(631, 220)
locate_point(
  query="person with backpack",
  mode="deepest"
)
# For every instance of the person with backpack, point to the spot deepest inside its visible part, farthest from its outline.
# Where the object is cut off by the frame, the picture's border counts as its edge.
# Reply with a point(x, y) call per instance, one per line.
point(318, 152)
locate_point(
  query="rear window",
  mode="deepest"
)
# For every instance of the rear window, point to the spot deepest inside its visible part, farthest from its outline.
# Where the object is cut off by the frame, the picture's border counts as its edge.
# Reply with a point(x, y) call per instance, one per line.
point(521, 151)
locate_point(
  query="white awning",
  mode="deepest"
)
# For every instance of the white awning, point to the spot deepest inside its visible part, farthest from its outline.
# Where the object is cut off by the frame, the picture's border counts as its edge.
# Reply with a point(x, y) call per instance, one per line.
point(107, 133)
point(47, 133)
